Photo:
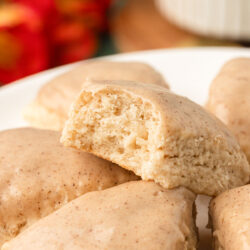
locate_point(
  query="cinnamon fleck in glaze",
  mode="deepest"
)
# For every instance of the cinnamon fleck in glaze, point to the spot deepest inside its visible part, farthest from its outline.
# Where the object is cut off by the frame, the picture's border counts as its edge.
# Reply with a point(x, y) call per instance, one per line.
point(38, 175)
point(230, 214)
point(229, 99)
point(133, 215)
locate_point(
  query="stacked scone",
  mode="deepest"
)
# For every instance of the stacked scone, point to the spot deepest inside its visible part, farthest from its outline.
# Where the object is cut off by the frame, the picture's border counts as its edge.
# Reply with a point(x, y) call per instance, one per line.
point(229, 100)
point(124, 114)
point(50, 108)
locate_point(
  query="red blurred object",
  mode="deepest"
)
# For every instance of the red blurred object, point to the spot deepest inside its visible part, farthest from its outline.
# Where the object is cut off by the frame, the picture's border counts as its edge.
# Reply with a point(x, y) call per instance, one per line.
point(23, 48)
point(37, 34)
point(73, 42)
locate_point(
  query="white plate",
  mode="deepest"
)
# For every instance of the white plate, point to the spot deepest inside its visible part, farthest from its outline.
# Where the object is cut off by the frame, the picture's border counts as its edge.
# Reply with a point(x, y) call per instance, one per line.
point(188, 71)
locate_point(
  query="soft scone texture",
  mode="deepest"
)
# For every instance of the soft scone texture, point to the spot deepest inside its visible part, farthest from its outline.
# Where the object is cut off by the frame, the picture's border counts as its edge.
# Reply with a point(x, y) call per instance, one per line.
point(158, 135)
point(38, 175)
point(230, 217)
point(134, 215)
point(229, 99)
point(50, 108)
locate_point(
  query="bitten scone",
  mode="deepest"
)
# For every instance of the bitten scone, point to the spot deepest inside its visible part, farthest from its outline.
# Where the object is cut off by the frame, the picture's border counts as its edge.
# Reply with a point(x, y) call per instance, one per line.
point(50, 108)
point(229, 99)
point(230, 217)
point(38, 175)
point(134, 215)
point(158, 135)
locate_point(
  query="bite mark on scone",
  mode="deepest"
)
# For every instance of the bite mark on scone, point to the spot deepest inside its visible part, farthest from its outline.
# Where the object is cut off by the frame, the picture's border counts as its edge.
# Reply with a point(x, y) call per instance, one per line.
point(158, 135)
point(129, 127)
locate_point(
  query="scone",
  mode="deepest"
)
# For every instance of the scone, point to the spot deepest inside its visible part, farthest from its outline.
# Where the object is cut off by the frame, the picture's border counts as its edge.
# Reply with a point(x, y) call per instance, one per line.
point(50, 108)
point(230, 213)
point(38, 175)
point(229, 99)
point(134, 215)
point(158, 135)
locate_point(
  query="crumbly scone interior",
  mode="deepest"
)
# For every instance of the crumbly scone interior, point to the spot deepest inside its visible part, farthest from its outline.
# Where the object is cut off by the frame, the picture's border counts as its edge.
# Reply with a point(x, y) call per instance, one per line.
point(118, 125)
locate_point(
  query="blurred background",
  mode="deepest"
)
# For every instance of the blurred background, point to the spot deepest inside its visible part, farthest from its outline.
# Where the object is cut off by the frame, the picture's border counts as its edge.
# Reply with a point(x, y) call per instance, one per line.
point(40, 34)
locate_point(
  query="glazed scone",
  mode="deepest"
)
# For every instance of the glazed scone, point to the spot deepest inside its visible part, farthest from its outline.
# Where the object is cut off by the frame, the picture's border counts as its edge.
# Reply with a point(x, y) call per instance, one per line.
point(229, 99)
point(50, 108)
point(158, 135)
point(38, 175)
point(230, 213)
point(134, 215)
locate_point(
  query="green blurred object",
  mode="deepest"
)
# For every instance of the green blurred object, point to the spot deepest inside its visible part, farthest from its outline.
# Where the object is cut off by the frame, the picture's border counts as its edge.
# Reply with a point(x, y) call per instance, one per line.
point(107, 46)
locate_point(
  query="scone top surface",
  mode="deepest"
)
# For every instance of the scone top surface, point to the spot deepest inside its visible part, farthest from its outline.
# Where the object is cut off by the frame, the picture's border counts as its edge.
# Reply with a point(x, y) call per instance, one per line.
point(54, 98)
point(38, 175)
point(158, 135)
point(133, 215)
point(230, 214)
point(65, 87)
point(229, 99)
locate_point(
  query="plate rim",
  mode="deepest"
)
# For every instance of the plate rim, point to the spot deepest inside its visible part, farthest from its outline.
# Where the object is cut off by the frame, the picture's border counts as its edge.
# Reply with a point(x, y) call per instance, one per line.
point(120, 55)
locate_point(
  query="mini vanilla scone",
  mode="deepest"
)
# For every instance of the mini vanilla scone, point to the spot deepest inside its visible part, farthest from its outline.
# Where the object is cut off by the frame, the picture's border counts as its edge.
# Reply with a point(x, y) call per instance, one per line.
point(50, 108)
point(230, 213)
point(229, 99)
point(158, 135)
point(38, 175)
point(134, 215)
